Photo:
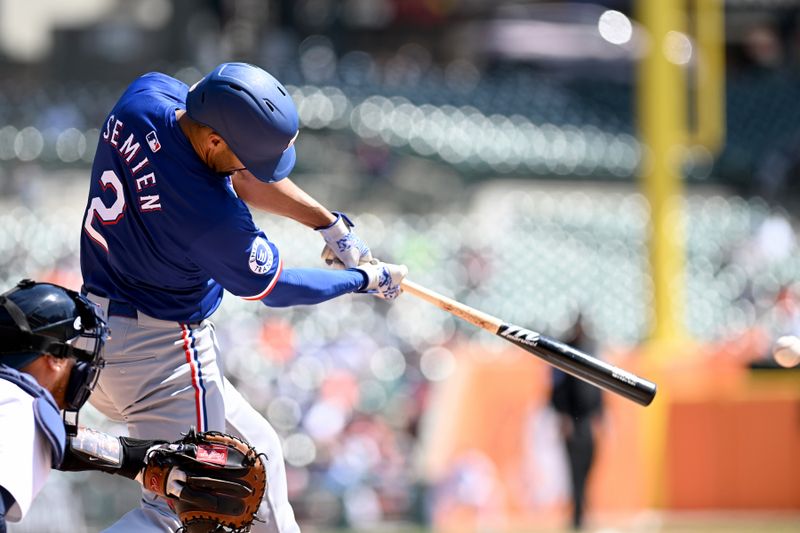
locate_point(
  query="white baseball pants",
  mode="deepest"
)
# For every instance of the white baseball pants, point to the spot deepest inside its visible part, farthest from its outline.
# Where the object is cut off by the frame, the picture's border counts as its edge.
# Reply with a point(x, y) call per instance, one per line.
point(162, 377)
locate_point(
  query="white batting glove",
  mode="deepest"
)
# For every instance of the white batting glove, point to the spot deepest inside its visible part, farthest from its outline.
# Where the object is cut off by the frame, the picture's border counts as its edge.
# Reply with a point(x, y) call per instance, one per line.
point(330, 259)
point(345, 245)
point(383, 279)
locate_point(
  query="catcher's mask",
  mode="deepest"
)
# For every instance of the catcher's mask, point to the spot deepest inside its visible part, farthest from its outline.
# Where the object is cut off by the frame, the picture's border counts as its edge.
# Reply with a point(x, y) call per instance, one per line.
point(42, 318)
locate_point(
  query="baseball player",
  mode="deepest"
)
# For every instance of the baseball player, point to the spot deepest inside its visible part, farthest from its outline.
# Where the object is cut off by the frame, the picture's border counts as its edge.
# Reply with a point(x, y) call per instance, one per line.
point(41, 372)
point(51, 342)
point(165, 232)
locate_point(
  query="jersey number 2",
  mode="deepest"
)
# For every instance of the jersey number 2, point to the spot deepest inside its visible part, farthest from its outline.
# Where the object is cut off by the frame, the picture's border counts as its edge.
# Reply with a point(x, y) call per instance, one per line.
point(106, 215)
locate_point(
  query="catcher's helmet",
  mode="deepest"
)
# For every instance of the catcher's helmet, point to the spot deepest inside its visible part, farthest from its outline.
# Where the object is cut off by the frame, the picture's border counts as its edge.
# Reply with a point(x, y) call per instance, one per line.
point(39, 318)
point(253, 112)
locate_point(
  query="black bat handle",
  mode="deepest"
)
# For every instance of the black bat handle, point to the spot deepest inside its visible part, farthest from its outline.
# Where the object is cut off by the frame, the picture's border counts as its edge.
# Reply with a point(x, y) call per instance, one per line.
point(581, 365)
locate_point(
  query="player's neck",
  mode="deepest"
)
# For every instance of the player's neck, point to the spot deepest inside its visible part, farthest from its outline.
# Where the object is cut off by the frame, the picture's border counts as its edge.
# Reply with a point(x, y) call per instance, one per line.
point(189, 127)
point(192, 130)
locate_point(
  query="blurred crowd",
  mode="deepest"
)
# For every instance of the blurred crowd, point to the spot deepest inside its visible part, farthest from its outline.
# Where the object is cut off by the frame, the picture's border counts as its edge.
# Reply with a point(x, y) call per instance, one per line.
point(432, 80)
point(346, 383)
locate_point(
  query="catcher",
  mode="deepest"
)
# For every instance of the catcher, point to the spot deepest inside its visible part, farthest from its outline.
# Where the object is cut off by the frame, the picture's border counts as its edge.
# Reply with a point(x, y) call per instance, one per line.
point(51, 342)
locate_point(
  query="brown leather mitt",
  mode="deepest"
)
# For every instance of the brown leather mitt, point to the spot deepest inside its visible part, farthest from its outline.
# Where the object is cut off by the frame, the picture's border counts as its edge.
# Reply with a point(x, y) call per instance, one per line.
point(215, 482)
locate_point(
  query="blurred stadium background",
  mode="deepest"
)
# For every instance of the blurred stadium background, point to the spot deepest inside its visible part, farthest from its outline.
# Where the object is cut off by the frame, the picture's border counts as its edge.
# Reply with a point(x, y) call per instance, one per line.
point(523, 157)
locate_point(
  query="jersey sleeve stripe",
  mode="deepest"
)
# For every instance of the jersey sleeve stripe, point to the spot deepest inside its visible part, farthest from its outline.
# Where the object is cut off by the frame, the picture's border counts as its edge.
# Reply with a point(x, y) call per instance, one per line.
point(271, 285)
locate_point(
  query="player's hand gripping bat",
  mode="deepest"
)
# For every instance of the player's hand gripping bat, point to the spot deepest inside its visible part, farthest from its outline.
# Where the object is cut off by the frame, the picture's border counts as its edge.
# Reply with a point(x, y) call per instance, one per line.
point(554, 352)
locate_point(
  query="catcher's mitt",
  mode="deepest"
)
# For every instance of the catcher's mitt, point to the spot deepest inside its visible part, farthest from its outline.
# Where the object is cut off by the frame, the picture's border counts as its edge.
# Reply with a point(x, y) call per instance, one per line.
point(214, 481)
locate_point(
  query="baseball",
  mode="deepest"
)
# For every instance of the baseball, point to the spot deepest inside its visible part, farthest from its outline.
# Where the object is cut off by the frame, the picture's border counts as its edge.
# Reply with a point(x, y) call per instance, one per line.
point(787, 351)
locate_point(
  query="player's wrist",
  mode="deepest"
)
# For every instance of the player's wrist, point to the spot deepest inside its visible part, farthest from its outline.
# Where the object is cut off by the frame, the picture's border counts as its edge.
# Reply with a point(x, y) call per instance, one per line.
point(345, 245)
point(383, 278)
point(134, 453)
point(340, 217)
point(365, 279)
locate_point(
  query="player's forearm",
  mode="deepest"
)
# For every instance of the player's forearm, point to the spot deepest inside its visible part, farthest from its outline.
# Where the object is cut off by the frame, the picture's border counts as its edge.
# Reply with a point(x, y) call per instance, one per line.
point(282, 198)
point(94, 450)
point(308, 286)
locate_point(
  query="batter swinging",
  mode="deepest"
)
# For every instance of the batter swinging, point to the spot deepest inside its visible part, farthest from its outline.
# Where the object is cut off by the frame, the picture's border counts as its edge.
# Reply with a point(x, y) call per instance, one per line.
point(165, 233)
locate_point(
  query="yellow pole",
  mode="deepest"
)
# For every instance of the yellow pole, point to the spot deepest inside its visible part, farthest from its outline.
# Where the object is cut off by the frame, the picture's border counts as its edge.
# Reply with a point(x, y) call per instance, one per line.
point(710, 78)
point(662, 113)
point(662, 124)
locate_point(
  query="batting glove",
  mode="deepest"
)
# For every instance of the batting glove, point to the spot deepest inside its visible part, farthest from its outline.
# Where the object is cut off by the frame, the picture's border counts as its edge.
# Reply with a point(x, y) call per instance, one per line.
point(345, 245)
point(383, 279)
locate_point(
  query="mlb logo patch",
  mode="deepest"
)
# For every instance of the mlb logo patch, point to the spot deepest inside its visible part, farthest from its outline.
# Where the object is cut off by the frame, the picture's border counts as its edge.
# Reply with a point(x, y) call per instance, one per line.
point(261, 257)
point(152, 141)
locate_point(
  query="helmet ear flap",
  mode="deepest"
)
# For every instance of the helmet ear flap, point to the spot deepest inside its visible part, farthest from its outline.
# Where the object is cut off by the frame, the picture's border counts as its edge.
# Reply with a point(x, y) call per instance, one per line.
point(84, 375)
point(86, 370)
point(82, 379)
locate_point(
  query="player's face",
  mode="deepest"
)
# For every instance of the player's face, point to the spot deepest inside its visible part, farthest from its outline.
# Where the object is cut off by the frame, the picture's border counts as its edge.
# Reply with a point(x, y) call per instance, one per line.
point(62, 380)
point(52, 373)
point(221, 158)
point(230, 163)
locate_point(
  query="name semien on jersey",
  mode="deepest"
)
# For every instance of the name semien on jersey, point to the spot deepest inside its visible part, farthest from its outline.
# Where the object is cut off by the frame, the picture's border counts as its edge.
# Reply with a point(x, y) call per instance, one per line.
point(129, 150)
point(163, 231)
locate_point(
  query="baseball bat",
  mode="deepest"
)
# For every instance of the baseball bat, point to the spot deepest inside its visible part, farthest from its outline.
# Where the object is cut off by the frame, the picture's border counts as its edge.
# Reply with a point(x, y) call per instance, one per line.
point(552, 351)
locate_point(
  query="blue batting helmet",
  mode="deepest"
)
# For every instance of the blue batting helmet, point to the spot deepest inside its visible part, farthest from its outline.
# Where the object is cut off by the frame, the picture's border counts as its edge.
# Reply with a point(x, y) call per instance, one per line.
point(253, 112)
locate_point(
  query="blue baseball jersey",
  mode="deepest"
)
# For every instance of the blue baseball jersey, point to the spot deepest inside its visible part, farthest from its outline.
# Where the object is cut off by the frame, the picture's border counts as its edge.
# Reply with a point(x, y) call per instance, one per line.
point(161, 230)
